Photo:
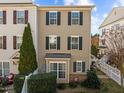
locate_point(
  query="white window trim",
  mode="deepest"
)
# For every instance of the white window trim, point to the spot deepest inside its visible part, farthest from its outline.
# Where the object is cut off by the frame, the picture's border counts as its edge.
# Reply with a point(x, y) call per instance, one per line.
point(57, 62)
point(53, 18)
point(3, 61)
point(75, 18)
point(2, 42)
point(79, 61)
point(17, 16)
point(49, 41)
point(78, 41)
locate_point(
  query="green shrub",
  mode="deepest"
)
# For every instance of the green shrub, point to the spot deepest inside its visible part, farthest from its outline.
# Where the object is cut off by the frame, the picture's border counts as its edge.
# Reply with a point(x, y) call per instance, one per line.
point(4, 82)
point(92, 80)
point(61, 86)
point(27, 59)
point(18, 83)
point(72, 84)
point(42, 83)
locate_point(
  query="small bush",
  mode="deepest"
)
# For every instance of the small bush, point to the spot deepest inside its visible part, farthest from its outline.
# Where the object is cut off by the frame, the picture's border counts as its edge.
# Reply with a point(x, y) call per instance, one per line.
point(72, 84)
point(4, 82)
point(18, 83)
point(92, 80)
point(42, 83)
point(61, 86)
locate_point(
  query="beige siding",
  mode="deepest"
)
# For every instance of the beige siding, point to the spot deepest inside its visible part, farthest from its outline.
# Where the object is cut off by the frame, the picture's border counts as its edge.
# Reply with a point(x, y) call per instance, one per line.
point(64, 31)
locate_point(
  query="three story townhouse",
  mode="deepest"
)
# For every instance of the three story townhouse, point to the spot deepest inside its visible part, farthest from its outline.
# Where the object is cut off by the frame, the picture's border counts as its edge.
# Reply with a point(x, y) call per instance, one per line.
point(64, 41)
point(14, 15)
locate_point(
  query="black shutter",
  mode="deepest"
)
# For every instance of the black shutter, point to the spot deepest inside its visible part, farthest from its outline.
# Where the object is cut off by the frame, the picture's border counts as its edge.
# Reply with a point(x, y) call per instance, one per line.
point(14, 42)
point(69, 18)
point(80, 43)
point(58, 43)
point(4, 17)
point(47, 18)
point(74, 66)
point(59, 18)
point(4, 42)
point(83, 66)
point(81, 18)
point(69, 43)
point(47, 43)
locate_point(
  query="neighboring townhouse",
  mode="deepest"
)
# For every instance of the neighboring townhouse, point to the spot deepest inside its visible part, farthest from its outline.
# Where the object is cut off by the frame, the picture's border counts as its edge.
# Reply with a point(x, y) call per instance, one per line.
point(14, 15)
point(64, 41)
point(113, 21)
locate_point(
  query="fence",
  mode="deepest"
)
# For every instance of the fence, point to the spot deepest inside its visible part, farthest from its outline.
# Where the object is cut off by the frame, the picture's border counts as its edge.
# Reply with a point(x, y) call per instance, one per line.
point(110, 71)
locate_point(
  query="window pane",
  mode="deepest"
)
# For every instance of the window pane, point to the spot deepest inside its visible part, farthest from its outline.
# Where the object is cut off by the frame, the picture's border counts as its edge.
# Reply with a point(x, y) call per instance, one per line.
point(18, 42)
point(75, 16)
point(53, 66)
point(75, 42)
point(61, 74)
point(79, 66)
point(74, 46)
point(1, 41)
point(61, 66)
point(53, 42)
point(6, 68)
point(53, 17)
point(20, 16)
point(75, 21)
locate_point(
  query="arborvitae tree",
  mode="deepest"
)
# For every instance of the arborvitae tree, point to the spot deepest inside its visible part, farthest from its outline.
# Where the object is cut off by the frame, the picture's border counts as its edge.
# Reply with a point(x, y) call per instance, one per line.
point(27, 59)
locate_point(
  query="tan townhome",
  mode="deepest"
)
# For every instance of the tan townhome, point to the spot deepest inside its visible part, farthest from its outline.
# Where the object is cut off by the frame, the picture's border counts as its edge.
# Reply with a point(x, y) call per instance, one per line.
point(64, 41)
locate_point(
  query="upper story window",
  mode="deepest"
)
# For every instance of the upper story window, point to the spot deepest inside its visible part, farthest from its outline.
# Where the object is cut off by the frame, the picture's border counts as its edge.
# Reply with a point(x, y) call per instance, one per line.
point(53, 42)
point(75, 18)
point(53, 18)
point(1, 17)
point(20, 17)
point(17, 42)
point(75, 42)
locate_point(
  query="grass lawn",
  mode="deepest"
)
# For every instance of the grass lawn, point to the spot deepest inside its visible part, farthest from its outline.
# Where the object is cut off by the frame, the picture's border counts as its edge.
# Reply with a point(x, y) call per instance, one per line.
point(108, 86)
point(98, 72)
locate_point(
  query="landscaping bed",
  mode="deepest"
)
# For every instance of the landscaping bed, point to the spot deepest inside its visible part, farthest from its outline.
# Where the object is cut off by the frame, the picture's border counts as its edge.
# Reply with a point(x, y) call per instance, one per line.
point(108, 86)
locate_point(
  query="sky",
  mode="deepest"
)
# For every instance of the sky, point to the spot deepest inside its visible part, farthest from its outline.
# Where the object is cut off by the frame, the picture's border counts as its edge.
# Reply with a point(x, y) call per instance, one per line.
point(99, 13)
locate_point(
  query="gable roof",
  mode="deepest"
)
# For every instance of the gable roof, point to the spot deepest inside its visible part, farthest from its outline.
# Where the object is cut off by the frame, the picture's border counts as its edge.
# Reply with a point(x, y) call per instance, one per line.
point(116, 14)
point(15, 1)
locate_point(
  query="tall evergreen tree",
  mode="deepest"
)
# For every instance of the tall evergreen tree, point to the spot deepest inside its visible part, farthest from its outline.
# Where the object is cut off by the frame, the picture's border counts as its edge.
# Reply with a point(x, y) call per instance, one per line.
point(27, 60)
